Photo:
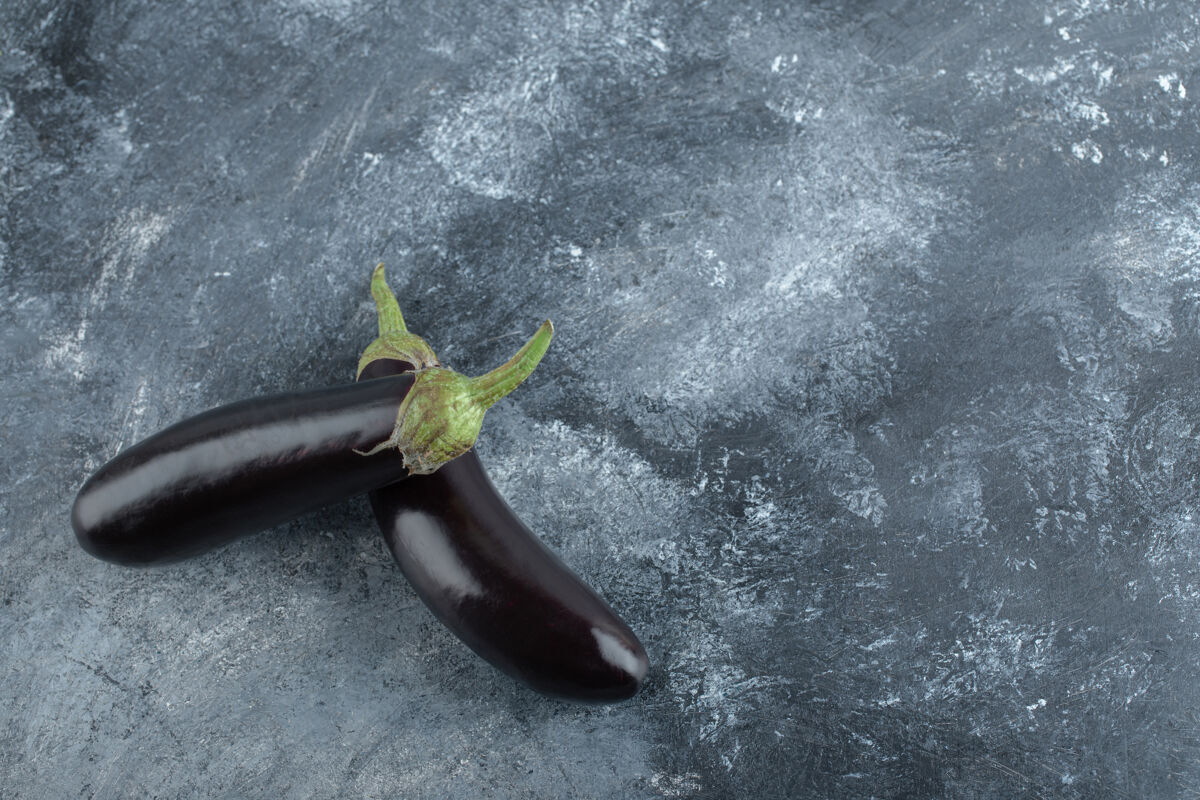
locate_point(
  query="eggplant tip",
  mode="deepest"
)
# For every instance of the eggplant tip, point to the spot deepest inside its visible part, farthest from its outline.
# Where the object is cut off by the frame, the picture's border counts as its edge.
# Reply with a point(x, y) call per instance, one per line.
point(626, 657)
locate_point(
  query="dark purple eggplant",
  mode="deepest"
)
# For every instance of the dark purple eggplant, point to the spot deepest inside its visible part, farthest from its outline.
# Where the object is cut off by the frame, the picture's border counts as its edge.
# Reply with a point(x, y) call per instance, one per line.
point(248, 466)
point(238, 469)
point(486, 576)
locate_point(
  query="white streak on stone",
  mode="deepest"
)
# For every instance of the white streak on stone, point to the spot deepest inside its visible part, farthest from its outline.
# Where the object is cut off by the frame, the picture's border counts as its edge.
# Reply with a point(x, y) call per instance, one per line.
point(126, 244)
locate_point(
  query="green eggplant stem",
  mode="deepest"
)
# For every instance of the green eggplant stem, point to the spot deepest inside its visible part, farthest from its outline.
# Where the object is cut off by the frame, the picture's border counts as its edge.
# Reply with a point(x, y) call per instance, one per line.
point(390, 318)
point(395, 341)
point(487, 389)
point(442, 414)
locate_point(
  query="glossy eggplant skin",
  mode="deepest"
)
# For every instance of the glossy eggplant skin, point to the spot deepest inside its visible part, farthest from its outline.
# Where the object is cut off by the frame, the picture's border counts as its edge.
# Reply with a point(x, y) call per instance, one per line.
point(238, 469)
point(486, 576)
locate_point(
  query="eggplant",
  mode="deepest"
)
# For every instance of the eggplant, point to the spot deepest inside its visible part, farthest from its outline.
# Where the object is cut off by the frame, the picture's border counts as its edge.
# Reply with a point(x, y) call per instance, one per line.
point(250, 465)
point(485, 575)
point(237, 469)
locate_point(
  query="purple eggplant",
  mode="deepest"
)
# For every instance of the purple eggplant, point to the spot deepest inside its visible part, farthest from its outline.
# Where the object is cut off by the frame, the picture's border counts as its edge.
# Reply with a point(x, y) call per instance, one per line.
point(484, 574)
point(238, 469)
point(248, 466)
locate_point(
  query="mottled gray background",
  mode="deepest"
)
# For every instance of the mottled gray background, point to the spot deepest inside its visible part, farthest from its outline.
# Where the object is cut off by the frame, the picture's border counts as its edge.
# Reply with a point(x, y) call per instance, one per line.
point(873, 405)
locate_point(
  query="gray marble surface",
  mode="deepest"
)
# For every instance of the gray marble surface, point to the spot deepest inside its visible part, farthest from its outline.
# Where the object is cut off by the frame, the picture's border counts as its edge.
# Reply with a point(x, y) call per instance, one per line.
point(873, 405)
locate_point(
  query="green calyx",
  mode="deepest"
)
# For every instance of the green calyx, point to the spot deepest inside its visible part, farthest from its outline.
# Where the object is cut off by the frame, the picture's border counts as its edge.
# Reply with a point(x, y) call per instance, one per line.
point(441, 416)
point(394, 342)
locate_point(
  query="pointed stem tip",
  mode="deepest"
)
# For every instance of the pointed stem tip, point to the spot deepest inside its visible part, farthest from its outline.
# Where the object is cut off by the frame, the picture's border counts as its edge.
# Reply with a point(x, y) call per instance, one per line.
point(390, 318)
point(395, 342)
point(487, 389)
